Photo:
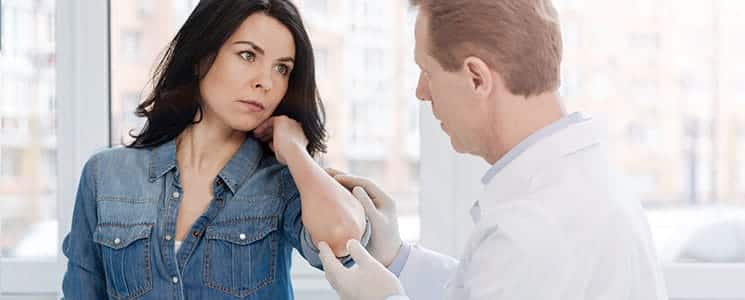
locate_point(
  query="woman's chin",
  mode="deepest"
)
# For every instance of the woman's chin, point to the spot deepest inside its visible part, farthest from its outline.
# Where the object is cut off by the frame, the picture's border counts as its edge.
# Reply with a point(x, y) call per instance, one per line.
point(244, 124)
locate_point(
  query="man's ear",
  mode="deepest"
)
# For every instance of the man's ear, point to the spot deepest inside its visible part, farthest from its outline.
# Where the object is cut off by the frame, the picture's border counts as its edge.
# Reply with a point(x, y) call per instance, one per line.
point(481, 76)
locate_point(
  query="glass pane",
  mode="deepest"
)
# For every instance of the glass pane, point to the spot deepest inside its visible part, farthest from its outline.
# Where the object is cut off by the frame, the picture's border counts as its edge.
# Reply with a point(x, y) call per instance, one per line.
point(367, 78)
point(372, 114)
point(668, 77)
point(28, 141)
point(140, 31)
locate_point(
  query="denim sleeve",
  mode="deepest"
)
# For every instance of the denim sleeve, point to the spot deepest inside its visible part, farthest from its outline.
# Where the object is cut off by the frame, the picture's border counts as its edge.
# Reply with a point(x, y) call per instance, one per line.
point(84, 277)
point(311, 252)
point(300, 238)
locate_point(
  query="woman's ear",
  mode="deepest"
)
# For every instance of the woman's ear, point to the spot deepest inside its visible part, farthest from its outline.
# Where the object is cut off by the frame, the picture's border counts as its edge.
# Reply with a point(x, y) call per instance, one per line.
point(481, 76)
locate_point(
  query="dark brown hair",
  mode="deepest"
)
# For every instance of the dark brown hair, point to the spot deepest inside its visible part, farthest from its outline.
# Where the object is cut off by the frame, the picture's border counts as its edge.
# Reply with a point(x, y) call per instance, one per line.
point(175, 101)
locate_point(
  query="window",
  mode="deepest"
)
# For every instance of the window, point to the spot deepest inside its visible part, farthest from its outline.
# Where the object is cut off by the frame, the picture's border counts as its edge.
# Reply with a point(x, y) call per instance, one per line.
point(127, 122)
point(320, 7)
point(1, 27)
point(182, 8)
point(43, 145)
point(10, 163)
point(28, 195)
point(134, 56)
point(145, 8)
point(132, 46)
point(321, 60)
point(373, 59)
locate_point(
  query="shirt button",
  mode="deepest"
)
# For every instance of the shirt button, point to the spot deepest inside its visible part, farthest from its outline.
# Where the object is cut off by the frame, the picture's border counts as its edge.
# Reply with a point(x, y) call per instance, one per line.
point(242, 236)
point(174, 280)
point(117, 241)
point(195, 233)
point(168, 237)
point(176, 194)
point(219, 182)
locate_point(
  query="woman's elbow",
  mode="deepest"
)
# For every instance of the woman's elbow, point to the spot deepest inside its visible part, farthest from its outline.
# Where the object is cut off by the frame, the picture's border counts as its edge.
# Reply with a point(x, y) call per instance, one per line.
point(338, 236)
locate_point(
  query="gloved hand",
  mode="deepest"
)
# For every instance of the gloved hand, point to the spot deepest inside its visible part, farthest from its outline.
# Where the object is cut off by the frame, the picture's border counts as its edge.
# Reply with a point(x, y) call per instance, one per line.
point(366, 280)
point(380, 209)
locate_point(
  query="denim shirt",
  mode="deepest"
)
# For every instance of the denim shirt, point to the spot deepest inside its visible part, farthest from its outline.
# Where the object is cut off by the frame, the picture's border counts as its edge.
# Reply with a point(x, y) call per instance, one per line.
point(121, 244)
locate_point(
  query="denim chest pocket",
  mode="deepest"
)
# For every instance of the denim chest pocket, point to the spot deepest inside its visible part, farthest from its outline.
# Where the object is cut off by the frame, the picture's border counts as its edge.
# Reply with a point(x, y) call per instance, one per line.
point(240, 255)
point(125, 252)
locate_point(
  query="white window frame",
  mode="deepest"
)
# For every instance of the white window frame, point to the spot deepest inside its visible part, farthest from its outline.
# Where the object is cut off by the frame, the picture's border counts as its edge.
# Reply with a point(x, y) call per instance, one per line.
point(82, 91)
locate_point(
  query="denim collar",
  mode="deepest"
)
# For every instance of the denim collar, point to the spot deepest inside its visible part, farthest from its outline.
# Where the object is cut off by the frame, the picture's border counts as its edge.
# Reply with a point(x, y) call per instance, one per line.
point(234, 174)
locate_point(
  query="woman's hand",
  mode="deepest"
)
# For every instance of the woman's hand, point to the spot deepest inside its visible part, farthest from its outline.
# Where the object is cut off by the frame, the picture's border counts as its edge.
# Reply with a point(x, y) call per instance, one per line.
point(284, 136)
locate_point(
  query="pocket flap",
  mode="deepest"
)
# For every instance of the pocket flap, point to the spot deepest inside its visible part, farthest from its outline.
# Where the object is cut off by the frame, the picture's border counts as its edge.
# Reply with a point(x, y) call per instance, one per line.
point(121, 235)
point(242, 231)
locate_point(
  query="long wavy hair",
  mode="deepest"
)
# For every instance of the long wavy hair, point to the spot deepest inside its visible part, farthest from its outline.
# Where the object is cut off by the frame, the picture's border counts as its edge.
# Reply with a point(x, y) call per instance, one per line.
point(175, 102)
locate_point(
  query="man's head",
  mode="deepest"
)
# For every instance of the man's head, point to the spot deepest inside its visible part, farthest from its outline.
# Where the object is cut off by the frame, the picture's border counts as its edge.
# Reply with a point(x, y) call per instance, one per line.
point(478, 56)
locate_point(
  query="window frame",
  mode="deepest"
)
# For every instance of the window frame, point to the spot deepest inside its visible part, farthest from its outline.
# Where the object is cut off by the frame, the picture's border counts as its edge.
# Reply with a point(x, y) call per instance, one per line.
point(82, 85)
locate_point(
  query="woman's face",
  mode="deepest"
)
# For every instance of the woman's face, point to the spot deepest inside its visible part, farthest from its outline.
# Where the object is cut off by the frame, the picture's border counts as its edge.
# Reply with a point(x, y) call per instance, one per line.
point(249, 75)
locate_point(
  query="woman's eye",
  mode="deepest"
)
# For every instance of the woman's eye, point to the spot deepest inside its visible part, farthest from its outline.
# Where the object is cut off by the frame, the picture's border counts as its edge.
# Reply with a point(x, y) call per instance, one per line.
point(247, 55)
point(282, 69)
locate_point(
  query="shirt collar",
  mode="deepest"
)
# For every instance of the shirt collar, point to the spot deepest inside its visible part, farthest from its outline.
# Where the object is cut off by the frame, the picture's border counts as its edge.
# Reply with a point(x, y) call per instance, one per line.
point(514, 178)
point(544, 132)
point(243, 163)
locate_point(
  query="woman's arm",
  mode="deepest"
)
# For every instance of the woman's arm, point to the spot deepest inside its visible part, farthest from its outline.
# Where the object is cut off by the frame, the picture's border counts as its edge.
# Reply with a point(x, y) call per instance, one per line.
point(329, 211)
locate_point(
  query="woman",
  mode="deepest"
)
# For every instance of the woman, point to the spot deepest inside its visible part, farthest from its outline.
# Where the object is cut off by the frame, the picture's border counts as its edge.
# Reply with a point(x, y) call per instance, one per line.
point(198, 207)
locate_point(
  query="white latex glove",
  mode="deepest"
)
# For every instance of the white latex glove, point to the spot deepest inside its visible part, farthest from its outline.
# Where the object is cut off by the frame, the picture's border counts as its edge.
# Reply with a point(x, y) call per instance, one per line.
point(385, 241)
point(366, 280)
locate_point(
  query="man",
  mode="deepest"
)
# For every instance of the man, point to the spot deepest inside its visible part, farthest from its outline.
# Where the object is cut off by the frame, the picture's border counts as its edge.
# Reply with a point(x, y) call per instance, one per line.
point(546, 224)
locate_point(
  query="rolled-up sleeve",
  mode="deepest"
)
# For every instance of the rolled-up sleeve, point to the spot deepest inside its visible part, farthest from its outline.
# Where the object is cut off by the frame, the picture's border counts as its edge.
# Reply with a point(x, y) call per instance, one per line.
point(310, 251)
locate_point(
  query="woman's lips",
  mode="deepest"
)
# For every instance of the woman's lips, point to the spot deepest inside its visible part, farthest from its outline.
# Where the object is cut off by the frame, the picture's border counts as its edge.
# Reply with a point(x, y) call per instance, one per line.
point(251, 105)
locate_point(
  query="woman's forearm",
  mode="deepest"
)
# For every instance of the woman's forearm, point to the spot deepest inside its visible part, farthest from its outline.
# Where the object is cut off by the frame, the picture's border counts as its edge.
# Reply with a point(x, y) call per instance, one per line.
point(330, 212)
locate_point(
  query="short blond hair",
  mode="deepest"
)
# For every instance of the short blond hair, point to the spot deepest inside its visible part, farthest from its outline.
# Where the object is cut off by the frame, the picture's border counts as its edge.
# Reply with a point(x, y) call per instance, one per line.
point(520, 39)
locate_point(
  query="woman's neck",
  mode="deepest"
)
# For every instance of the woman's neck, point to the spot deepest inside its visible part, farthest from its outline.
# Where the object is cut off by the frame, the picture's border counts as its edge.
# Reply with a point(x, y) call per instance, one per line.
point(207, 146)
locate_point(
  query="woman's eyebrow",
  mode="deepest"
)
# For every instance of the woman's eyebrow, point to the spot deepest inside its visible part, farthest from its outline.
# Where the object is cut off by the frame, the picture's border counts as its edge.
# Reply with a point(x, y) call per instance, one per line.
point(253, 45)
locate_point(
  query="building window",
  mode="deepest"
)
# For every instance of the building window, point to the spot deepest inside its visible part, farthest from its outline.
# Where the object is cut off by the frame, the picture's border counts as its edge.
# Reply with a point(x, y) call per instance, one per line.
point(317, 6)
point(132, 46)
point(9, 159)
point(145, 8)
point(321, 57)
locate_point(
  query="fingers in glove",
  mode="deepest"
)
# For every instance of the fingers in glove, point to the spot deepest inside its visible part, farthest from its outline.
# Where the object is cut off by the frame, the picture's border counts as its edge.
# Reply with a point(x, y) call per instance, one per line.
point(333, 172)
point(350, 181)
point(361, 256)
point(331, 265)
point(370, 210)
